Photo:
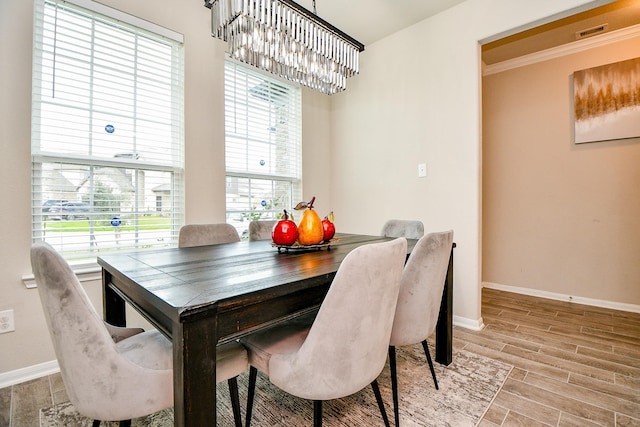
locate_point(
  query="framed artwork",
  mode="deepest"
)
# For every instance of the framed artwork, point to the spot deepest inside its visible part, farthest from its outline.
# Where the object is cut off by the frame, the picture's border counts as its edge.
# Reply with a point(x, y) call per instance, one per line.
point(606, 102)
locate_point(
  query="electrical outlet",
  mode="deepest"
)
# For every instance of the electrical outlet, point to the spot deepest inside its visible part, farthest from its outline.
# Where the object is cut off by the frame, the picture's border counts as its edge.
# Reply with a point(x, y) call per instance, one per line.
point(6, 321)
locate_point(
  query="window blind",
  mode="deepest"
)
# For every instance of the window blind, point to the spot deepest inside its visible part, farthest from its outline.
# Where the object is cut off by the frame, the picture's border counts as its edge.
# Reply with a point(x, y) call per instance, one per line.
point(107, 131)
point(263, 145)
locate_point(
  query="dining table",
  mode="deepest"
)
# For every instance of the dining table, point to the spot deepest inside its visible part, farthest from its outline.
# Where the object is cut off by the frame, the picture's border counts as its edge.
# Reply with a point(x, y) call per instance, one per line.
point(201, 297)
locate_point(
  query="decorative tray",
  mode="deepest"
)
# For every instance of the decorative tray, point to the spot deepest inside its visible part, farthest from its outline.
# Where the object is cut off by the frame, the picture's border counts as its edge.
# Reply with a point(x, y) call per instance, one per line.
point(298, 247)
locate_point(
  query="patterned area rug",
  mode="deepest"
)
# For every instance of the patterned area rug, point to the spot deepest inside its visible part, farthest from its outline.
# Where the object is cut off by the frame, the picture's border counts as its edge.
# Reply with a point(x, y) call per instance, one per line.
point(467, 388)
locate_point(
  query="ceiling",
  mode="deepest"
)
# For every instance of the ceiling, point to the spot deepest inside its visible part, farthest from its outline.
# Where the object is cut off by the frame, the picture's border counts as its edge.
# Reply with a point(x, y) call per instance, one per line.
point(614, 16)
point(371, 20)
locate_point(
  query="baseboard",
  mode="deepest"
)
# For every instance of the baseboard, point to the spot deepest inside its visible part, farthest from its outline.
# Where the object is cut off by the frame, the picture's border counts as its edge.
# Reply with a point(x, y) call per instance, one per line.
point(634, 308)
point(47, 368)
point(463, 322)
point(29, 373)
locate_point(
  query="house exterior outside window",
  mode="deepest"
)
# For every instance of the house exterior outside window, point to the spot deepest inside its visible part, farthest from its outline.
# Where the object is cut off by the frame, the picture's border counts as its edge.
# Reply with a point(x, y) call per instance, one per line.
point(263, 146)
point(107, 131)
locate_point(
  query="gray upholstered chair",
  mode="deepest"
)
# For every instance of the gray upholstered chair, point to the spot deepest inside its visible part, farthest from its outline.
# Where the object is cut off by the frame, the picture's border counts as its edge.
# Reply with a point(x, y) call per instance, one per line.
point(207, 234)
point(345, 348)
point(403, 228)
point(110, 373)
point(261, 230)
point(421, 288)
point(106, 378)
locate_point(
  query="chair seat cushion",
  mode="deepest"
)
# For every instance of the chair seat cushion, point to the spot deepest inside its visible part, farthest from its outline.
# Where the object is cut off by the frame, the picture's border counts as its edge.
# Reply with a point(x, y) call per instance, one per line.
point(149, 350)
point(231, 361)
point(152, 350)
point(283, 338)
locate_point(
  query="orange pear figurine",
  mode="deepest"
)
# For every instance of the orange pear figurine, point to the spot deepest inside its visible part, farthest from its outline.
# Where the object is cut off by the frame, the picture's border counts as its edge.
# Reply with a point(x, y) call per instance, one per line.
point(310, 230)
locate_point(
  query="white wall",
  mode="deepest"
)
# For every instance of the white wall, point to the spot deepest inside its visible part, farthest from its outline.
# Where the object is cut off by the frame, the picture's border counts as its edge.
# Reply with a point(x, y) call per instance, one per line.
point(417, 100)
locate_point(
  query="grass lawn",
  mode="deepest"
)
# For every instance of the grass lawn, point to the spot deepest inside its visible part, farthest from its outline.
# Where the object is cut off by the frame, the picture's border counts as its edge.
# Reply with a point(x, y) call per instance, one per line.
point(153, 222)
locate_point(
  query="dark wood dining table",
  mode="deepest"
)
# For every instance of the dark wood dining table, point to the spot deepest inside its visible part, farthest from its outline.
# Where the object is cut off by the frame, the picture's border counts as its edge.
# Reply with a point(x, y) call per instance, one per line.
point(203, 296)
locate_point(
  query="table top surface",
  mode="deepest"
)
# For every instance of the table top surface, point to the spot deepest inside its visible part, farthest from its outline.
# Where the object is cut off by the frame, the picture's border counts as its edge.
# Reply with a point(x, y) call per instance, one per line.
point(183, 280)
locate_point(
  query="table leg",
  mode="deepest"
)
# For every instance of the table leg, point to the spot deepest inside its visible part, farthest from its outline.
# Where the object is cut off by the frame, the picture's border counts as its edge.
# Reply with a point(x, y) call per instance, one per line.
point(444, 327)
point(194, 372)
point(113, 305)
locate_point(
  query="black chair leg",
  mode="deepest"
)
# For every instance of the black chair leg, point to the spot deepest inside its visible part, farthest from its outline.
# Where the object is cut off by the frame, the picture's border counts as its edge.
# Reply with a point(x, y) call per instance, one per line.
point(394, 383)
point(317, 413)
point(376, 391)
point(253, 373)
point(235, 400)
point(425, 346)
point(123, 423)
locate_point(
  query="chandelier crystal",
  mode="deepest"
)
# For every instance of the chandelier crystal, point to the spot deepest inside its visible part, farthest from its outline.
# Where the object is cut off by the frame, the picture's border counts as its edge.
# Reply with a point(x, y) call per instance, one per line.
point(287, 40)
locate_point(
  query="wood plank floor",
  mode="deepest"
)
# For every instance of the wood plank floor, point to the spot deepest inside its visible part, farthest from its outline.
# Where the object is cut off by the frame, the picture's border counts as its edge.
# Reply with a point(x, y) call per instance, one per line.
point(574, 365)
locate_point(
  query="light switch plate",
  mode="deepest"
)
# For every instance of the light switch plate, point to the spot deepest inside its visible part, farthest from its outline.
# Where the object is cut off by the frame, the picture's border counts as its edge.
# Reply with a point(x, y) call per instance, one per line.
point(422, 170)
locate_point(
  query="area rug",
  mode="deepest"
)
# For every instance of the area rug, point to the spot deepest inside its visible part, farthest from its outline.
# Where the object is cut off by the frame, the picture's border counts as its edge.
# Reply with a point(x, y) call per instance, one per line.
point(467, 388)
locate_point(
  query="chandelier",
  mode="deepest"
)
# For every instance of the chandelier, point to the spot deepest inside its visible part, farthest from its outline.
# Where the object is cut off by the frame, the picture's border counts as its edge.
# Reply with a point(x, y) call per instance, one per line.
point(287, 40)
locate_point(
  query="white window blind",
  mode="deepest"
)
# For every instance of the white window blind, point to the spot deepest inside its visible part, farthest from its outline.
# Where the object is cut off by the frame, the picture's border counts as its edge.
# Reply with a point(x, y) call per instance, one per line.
point(107, 131)
point(263, 145)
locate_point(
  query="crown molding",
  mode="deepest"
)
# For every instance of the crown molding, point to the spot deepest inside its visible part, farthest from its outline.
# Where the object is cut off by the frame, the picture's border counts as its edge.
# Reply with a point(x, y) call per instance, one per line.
point(564, 50)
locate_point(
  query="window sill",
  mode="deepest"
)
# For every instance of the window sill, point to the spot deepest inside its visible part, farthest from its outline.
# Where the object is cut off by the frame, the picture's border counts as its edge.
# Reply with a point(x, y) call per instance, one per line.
point(85, 273)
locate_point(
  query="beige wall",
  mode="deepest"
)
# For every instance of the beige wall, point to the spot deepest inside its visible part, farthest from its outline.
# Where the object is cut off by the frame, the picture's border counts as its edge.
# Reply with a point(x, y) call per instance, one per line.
point(204, 153)
point(416, 100)
point(558, 217)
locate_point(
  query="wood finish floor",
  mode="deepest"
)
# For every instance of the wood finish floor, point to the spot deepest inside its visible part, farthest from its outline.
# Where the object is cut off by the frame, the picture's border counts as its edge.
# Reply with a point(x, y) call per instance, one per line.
point(574, 365)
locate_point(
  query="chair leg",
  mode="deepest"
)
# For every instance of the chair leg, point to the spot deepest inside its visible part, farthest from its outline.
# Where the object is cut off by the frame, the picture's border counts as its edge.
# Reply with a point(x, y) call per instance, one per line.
point(235, 400)
point(394, 383)
point(123, 423)
point(317, 413)
point(425, 346)
point(253, 373)
point(376, 391)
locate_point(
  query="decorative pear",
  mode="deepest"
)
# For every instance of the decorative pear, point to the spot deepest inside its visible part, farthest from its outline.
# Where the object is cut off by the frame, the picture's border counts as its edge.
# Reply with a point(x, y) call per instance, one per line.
point(310, 230)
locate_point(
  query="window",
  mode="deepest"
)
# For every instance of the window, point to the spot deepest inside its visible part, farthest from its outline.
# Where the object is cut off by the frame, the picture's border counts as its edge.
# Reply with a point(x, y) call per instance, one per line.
point(107, 131)
point(263, 146)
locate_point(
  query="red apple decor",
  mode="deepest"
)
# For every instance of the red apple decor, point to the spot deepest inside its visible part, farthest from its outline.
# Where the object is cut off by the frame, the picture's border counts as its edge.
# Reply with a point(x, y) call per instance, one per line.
point(328, 228)
point(285, 232)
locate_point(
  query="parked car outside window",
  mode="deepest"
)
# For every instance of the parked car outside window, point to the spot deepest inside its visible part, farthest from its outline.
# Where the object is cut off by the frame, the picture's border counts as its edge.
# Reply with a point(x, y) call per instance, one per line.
point(70, 211)
point(47, 205)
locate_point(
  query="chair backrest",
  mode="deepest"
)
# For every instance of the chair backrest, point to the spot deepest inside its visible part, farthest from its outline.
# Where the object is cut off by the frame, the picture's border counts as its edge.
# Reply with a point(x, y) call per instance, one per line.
point(78, 333)
point(84, 349)
point(261, 230)
point(206, 234)
point(100, 381)
point(421, 289)
point(403, 228)
point(346, 347)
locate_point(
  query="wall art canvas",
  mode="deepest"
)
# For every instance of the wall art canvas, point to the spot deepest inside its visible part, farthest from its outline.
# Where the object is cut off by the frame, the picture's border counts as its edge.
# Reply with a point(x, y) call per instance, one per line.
point(607, 102)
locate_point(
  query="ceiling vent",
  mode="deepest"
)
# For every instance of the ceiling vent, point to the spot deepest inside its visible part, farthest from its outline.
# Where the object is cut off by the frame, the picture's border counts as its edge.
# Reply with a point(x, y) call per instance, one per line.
point(591, 31)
